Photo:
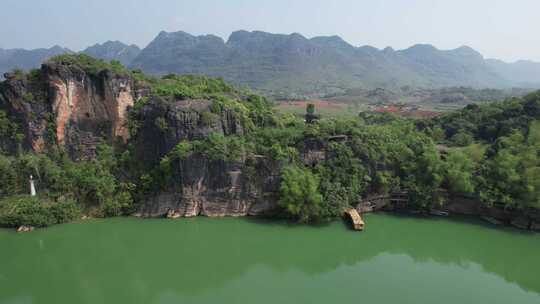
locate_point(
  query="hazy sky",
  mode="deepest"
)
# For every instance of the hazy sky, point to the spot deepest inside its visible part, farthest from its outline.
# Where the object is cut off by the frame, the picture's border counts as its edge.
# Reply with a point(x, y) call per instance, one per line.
point(504, 29)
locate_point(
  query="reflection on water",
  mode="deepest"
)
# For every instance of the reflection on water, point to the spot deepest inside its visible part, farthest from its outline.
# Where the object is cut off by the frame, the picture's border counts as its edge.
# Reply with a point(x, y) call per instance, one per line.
point(396, 260)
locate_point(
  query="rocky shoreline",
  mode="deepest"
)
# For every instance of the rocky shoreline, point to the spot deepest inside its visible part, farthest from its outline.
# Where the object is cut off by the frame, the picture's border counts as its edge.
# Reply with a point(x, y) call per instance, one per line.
point(171, 206)
point(461, 206)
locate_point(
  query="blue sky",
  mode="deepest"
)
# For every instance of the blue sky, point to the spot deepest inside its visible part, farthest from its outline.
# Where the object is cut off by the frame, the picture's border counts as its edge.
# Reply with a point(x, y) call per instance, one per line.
point(501, 29)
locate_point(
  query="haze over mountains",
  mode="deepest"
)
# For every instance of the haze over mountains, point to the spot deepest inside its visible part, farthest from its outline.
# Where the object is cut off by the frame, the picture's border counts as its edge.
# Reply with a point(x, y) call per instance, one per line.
point(114, 50)
point(293, 64)
point(26, 59)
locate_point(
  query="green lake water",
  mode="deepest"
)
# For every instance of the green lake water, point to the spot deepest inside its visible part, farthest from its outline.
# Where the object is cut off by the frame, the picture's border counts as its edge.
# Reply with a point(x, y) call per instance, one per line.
point(201, 260)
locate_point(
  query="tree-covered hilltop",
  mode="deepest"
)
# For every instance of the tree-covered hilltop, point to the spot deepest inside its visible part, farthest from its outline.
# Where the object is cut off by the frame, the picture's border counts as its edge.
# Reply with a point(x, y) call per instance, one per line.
point(497, 148)
point(195, 141)
point(488, 122)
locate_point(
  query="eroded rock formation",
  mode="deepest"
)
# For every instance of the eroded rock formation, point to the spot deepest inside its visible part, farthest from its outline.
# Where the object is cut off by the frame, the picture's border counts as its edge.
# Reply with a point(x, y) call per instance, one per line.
point(202, 186)
point(88, 109)
point(65, 105)
point(24, 99)
point(217, 189)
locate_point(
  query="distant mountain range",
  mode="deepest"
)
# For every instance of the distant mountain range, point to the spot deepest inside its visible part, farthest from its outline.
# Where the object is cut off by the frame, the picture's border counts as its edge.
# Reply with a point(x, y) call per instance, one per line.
point(524, 72)
point(293, 64)
point(114, 50)
point(26, 59)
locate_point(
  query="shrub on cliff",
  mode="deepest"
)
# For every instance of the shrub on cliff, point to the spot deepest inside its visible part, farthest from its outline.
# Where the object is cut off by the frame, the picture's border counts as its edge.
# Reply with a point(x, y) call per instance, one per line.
point(119, 204)
point(216, 147)
point(8, 176)
point(9, 129)
point(89, 64)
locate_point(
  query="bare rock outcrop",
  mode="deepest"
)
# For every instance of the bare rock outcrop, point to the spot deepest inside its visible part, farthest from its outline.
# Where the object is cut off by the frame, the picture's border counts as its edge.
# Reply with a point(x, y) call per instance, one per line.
point(23, 229)
point(217, 189)
point(88, 109)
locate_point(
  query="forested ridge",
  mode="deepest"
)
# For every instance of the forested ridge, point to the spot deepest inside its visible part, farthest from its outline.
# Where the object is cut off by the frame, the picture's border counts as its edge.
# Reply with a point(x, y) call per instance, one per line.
point(498, 145)
point(489, 152)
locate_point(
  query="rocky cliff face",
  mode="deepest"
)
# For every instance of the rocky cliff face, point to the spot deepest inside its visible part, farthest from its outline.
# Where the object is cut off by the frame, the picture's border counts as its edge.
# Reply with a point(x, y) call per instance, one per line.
point(88, 109)
point(165, 123)
point(62, 104)
point(24, 99)
point(202, 186)
point(217, 189)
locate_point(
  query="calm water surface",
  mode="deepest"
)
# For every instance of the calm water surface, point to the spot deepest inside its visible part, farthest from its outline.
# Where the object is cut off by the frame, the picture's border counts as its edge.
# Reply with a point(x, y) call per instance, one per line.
point(396, 260)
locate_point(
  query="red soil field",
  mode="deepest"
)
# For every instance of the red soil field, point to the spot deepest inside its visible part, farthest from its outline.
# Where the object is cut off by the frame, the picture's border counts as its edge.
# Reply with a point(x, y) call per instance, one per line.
point(319, 104)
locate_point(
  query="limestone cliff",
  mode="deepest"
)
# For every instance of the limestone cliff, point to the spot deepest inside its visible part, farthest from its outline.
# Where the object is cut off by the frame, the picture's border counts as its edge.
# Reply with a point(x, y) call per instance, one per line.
point(24, 99)
point(65, 105)
point(202, 186)
point(217, 189)
point(166, 122)
point(88, 109)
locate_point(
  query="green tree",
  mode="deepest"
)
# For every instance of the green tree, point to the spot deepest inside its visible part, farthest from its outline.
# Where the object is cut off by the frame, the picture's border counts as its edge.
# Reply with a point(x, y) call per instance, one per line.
point(511, 175)
point(342, 174)
point(459, 172)
point(462, 139)
point(423, 175)
point(336, 199)
point(299, 194)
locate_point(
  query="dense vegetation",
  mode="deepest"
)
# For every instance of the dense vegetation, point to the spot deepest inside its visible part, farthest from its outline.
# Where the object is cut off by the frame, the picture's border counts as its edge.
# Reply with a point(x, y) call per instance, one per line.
point(496, 149)
point(385, 154)
point(93, 185)
point(89, 64)
point(17, 211)
point(492, 154)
